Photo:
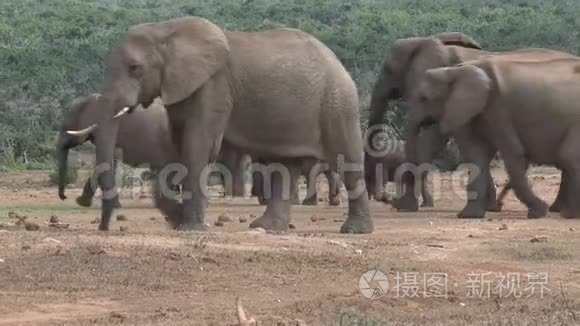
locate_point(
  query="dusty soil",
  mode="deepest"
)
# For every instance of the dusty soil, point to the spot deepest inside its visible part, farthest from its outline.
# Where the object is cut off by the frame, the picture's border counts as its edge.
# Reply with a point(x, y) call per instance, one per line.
point(149, 275)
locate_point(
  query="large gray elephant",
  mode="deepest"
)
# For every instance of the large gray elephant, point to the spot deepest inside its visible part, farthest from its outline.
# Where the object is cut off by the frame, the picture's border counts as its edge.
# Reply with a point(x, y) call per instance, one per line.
point(279, 95)
point(403, 67)
point(528, 108)
point(143, 141)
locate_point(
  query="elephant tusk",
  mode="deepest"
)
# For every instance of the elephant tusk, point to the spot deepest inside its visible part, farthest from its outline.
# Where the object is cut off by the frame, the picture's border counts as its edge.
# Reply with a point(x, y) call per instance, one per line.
point(122, 112)
point(83, 132)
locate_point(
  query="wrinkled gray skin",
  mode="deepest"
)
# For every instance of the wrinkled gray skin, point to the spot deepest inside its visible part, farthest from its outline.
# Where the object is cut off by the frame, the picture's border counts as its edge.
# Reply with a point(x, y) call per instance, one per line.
point(279, 95)
point(387, 167)
point(507, 104)
point(310, 169)
point(143, 141)
point(403, 67)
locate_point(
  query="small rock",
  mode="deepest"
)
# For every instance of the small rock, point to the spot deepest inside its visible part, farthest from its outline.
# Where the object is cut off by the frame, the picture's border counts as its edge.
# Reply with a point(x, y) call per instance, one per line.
point(258, 230)
point(358, 252)
point(278, 300)
point(572, 230)
point(470, 236)
point(31, 226)
point(96, 250)
point(503, 227)
point(152, 218)
point(219, 223)
point(59, 225)
point(2, 260)
point(291, 226)
point(124, 228)
point(96, 221)
point(430, 222)
point(54, 219)
point(243, 220)
point(315, 219)
point(224, 218)
point(51, 240)
point(539, 238)
point(25, 247)
point(119, 315)
point(489, 219)
point(121, 218)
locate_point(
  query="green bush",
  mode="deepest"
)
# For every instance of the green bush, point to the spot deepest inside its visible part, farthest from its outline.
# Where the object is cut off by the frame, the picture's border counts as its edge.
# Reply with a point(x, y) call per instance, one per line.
point(52, 51)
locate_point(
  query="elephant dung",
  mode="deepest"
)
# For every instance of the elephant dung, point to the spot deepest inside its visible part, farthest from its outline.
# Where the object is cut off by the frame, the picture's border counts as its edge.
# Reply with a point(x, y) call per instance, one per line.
point(224, 218)
point(31, 226)
point(539, 238)
point(121, 218)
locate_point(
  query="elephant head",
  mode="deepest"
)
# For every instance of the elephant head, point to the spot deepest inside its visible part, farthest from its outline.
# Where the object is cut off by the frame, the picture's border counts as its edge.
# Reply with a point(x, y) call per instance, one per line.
point(403, 66)
point(172, 60)
point(453, 95)
point(405, 62)
point(78, 115)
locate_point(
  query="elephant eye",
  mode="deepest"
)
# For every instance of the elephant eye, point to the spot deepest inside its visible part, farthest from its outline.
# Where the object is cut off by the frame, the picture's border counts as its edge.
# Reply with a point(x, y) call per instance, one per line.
point(134, 69)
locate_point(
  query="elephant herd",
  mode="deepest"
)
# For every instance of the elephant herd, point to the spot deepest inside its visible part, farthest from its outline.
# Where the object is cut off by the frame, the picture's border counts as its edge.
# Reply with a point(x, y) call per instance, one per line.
point(180, 94)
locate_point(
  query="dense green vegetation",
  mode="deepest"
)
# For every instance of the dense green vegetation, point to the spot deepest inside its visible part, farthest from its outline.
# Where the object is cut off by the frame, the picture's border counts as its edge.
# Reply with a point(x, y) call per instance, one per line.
point(54, 50)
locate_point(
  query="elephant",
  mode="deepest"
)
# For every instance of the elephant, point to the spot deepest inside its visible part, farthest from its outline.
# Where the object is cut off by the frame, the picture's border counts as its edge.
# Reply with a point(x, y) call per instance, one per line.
point(279, 95)
point(310, 169)
point(402, 68)
point(143, 140)
point(507, 103)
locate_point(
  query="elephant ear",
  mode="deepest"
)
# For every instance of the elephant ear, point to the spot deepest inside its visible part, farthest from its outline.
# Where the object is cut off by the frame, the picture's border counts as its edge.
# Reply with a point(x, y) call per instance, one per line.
point(469, 88)
point(459, 39)
point(194, 50)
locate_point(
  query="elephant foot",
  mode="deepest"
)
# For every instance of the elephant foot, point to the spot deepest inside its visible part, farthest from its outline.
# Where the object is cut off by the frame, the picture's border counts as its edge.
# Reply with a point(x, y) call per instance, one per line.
point(427, 203)
point(538, 212)
point(84, 201)
point(407, 203)
point(311, 201)
point(556, 207)
point(357, 225)
point(269, 222)
point(471, 211)
point(192, 227)
point(261, 201)
point(103, 227)
point(495, 207)
point(334, 201)
point(569, 214)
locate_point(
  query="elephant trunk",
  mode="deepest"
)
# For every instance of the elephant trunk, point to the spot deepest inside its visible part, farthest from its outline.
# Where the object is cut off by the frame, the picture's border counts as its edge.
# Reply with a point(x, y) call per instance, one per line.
point(382, 93)
point(62, 150)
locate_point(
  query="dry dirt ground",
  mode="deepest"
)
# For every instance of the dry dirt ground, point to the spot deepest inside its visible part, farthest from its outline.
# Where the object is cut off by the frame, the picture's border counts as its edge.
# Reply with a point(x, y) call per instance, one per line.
point(494, 269)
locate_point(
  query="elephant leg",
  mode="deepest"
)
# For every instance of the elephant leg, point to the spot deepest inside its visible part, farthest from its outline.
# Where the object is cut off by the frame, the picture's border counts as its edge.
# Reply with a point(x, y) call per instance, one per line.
point(427, 198)
point(295, 189)
point(492, 204)
point(476, 152)
point(311, 174)
point(277, 214)
point(516, 166)
point(333, 188)
point(165, 200)
point(556, 206)
point(569, 162)
point(506, 188)
point(258, 188)
point(86, 198)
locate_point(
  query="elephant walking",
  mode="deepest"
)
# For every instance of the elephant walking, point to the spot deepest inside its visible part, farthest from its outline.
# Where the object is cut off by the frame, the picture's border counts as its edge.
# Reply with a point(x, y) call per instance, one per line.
point(506, 104)
point(402, 69)
point(143, 141)
point(280, 96)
